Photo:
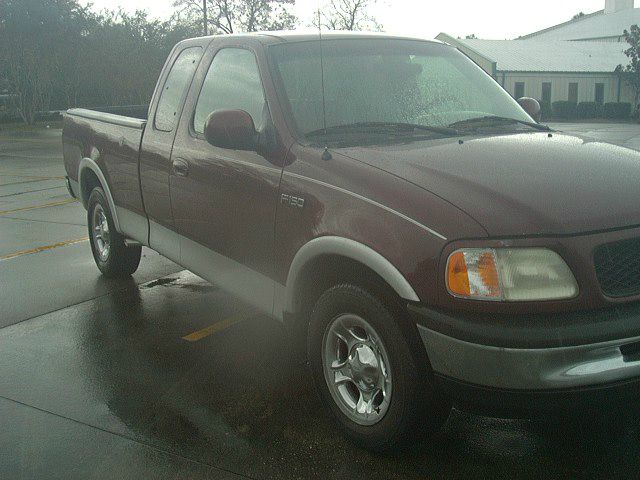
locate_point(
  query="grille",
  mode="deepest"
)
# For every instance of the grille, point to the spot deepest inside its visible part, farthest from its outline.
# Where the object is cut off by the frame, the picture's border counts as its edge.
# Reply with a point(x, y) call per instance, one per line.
point(618, 268)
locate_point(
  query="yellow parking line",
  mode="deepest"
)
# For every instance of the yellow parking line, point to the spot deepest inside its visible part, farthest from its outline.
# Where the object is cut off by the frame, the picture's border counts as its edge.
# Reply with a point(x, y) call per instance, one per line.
point(215, 328)
point(43, 248)
point(30, 176)
point(34, 207)
point(21, 182)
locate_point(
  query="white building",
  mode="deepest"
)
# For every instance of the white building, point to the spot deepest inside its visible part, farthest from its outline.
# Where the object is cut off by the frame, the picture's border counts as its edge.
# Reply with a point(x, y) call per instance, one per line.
point(603, 26)
point(573, 61)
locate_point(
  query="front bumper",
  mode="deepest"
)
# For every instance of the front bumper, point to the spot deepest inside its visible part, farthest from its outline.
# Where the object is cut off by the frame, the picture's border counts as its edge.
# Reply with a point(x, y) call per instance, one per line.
point(533, 353)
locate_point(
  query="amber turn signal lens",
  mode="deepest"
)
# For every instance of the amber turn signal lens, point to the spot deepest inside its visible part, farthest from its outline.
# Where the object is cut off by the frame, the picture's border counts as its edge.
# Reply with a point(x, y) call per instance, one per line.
point(472, 273)
point(457, 275)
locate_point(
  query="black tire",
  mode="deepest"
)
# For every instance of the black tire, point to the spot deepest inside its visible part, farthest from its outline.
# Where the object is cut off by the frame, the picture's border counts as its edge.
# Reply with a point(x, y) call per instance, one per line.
point(416, 410)
point(121, 260)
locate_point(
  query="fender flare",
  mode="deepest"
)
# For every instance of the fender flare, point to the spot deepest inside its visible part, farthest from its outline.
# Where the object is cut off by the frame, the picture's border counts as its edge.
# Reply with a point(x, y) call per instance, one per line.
point(89, 164)
point(331, 245)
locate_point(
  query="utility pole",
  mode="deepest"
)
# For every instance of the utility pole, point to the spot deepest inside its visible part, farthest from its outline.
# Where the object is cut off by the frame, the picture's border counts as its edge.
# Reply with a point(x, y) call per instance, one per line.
point(205, 22)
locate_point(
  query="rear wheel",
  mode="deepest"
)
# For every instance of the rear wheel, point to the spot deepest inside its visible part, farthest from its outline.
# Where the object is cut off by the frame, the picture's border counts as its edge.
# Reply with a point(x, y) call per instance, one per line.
point(365, 372)
point(112, 256)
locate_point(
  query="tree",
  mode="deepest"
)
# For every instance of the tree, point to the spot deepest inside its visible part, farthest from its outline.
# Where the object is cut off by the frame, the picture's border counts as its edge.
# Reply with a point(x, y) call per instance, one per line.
point(233, 16)
point(347, 15)
point(578, 16)
point(631, 72)
point(58, 54)
point(471, 37)
point(124, 53)
point(36, 36)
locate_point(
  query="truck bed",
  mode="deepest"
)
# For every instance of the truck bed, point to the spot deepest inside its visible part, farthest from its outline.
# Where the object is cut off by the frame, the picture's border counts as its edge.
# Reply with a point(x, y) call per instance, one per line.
point(112, 144)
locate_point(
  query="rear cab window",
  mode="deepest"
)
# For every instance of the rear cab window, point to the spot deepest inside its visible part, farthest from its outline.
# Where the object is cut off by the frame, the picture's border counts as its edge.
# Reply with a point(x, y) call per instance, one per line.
point(175, 88)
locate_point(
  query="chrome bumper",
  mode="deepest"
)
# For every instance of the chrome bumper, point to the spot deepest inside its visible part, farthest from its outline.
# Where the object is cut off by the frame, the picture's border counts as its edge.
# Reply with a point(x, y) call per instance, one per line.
point(530, 369)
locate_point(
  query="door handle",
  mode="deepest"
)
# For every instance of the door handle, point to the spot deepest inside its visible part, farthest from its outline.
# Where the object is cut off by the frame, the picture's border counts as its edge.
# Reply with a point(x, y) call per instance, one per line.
point(180, 167)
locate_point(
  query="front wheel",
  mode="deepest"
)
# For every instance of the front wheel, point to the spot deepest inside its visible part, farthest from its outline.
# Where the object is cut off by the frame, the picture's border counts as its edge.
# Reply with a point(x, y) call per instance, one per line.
point(365, 371)
point(112, 256)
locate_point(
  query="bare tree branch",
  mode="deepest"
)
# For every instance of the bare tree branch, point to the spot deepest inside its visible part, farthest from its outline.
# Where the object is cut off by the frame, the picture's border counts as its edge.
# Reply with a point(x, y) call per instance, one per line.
point(347, 15)
point(229, 16)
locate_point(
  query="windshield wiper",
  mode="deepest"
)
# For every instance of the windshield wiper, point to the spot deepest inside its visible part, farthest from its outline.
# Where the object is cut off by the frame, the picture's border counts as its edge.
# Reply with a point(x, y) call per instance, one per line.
point(383, 127)
point(496, 118)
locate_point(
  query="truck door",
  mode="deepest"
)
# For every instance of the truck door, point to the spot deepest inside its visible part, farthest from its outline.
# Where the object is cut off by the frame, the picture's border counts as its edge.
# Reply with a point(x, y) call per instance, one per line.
point(224, 201)
point(155, 154)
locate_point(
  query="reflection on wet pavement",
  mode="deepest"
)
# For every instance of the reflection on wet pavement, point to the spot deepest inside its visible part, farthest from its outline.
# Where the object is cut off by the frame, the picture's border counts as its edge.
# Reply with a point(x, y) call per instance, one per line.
point(238, 401)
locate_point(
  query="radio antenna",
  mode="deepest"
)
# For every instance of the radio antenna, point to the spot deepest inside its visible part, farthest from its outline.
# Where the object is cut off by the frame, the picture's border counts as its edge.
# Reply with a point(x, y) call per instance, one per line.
point(324, 103)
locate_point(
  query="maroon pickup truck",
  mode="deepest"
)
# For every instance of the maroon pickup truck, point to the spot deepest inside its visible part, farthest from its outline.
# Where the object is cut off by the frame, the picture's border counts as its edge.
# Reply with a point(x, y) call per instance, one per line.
point(424, 239)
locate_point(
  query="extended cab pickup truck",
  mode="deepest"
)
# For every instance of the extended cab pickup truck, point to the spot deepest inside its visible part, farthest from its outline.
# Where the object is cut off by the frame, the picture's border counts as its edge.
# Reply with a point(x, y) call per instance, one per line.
point(420, 235)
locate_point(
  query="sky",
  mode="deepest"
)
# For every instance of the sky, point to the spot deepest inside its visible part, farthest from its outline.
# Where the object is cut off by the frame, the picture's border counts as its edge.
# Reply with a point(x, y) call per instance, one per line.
point(490, 19)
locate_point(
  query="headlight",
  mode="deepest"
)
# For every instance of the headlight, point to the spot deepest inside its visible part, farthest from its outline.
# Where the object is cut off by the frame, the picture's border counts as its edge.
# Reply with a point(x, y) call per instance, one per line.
point(509, 274)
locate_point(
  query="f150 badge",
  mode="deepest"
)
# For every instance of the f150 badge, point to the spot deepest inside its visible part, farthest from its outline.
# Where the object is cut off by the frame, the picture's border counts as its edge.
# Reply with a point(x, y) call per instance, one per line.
point(296, 202)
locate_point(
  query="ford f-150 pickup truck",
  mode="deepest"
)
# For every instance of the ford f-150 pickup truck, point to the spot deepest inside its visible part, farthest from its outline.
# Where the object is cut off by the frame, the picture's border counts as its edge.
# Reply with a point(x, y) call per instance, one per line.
point(422, 237)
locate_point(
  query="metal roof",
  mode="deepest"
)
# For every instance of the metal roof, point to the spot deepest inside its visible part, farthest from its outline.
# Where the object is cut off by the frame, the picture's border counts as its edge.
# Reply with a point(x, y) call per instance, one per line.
point(593, 26)
point(547, 56)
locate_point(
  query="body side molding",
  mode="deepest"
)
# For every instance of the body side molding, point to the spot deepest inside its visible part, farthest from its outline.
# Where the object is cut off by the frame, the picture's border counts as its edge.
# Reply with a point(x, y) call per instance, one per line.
point(330, 245)
point(87, 163)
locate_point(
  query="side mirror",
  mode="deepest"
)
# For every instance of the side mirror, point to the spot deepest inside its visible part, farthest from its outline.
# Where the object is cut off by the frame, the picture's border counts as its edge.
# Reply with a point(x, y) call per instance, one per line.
point(233, 129)
point(531, 106)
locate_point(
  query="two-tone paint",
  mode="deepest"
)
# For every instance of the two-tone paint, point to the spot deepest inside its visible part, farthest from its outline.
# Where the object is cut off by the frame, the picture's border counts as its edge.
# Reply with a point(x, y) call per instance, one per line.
point(260, 223)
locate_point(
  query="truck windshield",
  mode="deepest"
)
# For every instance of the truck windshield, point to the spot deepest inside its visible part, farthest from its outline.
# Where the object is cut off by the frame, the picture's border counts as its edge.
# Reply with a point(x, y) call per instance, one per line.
point(374, 82)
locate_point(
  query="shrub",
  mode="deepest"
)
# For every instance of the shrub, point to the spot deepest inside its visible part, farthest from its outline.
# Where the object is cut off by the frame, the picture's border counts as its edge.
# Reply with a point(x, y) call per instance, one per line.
point(589, 110)
point(545, 110)
point(565, 110)
point(618, 111)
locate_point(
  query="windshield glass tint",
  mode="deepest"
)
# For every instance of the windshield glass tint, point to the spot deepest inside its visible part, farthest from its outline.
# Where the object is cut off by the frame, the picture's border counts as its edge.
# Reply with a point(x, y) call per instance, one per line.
point(386, 81)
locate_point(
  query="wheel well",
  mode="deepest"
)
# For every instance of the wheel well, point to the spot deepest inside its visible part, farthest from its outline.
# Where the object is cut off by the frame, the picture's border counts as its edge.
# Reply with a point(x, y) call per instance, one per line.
point(88, 181)
point(327, 271)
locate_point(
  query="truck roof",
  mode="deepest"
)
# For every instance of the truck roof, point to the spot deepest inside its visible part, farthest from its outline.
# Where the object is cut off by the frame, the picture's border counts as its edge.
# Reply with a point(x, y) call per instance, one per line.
point(290, 36)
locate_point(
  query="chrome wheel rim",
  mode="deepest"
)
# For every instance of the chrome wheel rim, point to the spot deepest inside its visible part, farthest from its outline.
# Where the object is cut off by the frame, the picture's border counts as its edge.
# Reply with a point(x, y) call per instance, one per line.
point(100, 233)
point(357, 369)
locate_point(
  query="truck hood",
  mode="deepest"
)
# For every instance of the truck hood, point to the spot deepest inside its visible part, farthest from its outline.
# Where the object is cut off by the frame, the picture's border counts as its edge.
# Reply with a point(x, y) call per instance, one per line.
point(522, 184)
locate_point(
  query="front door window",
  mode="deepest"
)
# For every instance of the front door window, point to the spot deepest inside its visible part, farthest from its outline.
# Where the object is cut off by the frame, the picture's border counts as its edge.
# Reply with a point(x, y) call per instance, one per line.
point(232, 82)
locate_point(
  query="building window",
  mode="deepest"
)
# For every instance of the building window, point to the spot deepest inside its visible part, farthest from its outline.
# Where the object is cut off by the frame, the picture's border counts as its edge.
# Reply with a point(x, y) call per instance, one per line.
point(573, 92)
point(519, 90)
point(546, 93)
point(600, 93)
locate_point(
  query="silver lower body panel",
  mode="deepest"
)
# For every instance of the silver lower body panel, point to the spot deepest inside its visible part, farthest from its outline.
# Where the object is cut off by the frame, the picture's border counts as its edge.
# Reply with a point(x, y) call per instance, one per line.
point(529, 369)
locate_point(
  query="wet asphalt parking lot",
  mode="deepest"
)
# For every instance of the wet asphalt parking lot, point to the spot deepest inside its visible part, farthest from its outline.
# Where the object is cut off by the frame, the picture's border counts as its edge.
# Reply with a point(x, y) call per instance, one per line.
point(165, 376)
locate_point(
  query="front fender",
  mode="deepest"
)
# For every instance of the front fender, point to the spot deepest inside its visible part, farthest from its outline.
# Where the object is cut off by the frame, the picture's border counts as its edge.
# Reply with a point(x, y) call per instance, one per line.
point(331, 245)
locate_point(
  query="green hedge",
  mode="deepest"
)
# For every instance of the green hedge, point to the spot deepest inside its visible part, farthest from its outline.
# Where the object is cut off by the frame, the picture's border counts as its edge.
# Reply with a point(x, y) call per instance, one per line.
point(618, 111)
point(565, 110)
point(589, 110)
